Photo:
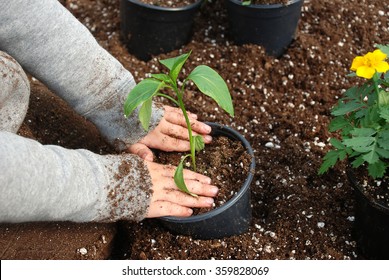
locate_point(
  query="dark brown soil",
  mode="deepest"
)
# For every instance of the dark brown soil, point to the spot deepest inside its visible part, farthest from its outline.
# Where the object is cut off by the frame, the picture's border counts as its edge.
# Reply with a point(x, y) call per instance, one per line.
point(282, 108)
point(224, 160)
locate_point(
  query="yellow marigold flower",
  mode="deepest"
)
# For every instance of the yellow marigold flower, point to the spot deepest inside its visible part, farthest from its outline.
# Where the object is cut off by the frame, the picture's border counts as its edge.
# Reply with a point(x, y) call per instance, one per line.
point(365, 66)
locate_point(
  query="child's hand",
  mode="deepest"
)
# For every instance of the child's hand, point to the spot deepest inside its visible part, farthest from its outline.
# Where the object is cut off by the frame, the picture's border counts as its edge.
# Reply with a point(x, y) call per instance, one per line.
point(171, 134)
point(168, 200)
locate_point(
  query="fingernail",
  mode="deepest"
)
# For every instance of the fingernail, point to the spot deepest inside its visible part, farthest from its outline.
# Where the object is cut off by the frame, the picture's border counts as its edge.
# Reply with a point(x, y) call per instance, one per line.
point(207, 128)
point(190, 211)
point(209, 200)
point(214, 190)
point(208, 138)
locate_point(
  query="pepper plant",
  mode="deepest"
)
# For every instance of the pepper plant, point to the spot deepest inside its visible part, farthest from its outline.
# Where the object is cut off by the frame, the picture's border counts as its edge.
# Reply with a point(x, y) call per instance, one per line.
point(207, 80)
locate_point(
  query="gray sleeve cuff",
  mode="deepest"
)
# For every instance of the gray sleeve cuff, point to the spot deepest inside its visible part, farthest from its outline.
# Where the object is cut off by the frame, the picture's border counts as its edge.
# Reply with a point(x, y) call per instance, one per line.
point(50, 183)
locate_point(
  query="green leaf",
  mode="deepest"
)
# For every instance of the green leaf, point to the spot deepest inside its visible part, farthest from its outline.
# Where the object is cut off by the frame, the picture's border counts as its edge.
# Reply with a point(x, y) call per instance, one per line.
point(383, 98)
point(143, 91)
point(358, 162)
point(246, 3)
point(179, 177)
point(145, 113)
point(363, 132)
point(377, 170)
point(198, 142)
point(344, 108)
point(175, 64)
point(339, 122)
point(336, 143)
point(384, 113)
point(382, 152)
point(360, 144)
point(383, 139)
point(212, 84)
point(162, 77)
point(329, 160)
point(371, 157)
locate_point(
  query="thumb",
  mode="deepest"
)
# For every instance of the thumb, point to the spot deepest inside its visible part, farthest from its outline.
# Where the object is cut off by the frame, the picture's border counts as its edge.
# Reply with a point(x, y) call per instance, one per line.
point(142, 151)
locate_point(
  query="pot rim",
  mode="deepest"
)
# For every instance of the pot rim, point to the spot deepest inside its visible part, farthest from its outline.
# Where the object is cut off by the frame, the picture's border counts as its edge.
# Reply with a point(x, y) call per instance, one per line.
point(265, 6)
point(245, 186)
point(166, 9)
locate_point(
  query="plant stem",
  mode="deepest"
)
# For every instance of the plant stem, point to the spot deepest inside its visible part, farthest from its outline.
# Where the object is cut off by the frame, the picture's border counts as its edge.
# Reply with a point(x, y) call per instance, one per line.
point(375, 79)
point(168, 97)
point(182, 106)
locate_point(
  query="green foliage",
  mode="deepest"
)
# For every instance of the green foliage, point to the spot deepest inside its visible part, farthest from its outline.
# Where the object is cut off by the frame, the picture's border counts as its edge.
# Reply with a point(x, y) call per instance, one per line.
point(362, 119)
point(207, 80)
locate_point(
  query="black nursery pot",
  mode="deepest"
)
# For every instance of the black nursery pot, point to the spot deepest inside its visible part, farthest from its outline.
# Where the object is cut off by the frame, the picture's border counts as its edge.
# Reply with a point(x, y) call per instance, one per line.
point(371, 224)
point(232, 218)
point(150, 30)
point(271, 26)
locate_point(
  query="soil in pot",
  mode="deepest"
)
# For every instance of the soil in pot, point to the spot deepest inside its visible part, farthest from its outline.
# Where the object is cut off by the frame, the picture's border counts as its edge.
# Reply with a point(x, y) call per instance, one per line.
point(225, 161)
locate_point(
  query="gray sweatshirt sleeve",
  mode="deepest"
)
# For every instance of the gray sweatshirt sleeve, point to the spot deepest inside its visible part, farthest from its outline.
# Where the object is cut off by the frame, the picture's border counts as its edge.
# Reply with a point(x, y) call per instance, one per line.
point(52, 45)
point(50, 183)
point(46, 183)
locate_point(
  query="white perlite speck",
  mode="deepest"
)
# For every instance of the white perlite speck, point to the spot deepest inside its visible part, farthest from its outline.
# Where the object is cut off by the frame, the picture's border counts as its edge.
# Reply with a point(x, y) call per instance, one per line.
point(320, 224)
point(83, 251)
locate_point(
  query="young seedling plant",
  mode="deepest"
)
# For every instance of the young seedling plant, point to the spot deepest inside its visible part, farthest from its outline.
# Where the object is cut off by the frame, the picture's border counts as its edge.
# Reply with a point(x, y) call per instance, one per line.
point(207, 80)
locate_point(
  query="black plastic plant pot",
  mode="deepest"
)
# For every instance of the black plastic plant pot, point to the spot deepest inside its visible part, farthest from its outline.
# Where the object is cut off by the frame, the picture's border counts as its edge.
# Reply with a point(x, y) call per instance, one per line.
point(371, 224)
point(271, 26)
point(232, 218)
point(151, 30)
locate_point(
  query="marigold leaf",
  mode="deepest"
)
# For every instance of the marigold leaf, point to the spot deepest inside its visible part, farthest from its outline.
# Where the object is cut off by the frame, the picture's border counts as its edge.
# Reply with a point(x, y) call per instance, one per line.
point(338, 123)
point(382, 152)
point(363, 132)
point(336, 143)
point(344, 108)
point(329, 160)
point(377, 170)
point(360, 144)
point(371, 157)
point(384, 113)
point(357, 162)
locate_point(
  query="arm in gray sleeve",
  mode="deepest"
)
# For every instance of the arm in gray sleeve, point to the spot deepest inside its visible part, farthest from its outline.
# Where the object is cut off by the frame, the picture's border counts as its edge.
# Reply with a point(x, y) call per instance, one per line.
point(50, 183)
point(52, 45)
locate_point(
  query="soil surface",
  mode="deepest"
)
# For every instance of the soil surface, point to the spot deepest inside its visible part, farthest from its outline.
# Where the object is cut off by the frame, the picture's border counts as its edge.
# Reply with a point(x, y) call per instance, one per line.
point(282, 107)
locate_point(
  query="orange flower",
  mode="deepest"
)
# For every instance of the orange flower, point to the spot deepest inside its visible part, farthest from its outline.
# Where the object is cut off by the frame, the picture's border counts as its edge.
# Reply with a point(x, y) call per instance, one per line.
point(366, 66)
